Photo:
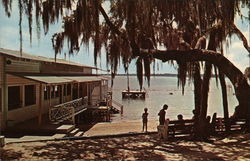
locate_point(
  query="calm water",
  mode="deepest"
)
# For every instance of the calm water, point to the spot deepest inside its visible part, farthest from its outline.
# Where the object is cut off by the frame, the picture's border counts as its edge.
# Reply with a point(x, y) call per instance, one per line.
point(158, 94)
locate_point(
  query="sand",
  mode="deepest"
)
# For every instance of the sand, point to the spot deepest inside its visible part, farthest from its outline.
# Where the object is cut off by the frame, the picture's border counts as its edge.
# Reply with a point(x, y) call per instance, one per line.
point(141, 147)
point(120, 128)
point(134, 147)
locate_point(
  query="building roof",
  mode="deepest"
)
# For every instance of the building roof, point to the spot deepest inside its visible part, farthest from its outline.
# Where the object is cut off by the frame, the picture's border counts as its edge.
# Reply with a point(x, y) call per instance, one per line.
point(65, 79)
point(48, 79)
point(16, 54)
point(84, 79)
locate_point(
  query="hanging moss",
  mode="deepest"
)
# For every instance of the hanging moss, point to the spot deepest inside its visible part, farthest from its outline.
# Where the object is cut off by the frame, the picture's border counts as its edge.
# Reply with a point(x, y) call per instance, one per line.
point(132, 25)
point(139, 70)
point(20, 5)
point(146, 62)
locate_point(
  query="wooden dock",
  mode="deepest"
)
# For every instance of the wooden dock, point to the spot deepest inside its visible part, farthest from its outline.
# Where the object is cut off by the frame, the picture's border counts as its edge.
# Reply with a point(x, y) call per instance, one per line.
point(100, 113)
point(134, 94)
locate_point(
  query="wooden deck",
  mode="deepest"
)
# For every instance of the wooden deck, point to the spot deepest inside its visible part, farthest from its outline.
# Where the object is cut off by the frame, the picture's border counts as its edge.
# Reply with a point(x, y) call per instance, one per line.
point(32, 127)
point(100, 112)
point(134, 94)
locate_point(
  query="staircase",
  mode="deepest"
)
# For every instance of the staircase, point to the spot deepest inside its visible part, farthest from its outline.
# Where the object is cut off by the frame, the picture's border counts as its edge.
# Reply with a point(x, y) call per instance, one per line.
point(76, 133)
point(68, 131)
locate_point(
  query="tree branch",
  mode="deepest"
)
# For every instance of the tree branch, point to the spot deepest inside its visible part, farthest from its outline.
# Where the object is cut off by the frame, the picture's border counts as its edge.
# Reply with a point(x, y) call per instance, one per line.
point(133, 45)
point(242, 88)
point(242, 37)
point(109, 23)
point(197, 55)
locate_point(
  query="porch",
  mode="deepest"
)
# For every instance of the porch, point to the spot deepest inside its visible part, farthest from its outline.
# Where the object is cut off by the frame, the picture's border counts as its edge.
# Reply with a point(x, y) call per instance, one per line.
point(52, 128)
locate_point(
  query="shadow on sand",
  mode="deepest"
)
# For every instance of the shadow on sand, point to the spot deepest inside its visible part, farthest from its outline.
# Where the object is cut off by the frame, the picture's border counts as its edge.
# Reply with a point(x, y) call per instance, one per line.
point(143, 147)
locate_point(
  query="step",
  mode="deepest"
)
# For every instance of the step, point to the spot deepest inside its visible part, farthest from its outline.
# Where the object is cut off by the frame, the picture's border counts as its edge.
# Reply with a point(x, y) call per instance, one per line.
point(65, 128)
point(80, 133)
point(73, 132)
point(57, 136)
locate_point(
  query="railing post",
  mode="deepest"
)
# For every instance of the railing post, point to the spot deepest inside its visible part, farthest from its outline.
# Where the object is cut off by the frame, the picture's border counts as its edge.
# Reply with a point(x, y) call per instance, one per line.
point(50, 113)
point(73, 115)
point(121, 109)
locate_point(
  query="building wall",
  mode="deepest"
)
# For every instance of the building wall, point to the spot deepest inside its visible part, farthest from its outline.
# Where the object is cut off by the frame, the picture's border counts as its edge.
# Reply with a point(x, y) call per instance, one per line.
point(87, 70)
point(1, 70)
point(22, 114)
point(54, 68)
point(1, 121)
point(25, 66)
point(25, 112)
point(22, 66)
point(15, 80)
point(1, 101)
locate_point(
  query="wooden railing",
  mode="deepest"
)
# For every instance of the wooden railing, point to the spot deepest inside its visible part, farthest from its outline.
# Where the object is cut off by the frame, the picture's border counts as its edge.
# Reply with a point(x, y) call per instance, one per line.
point(180, 127)
point(68, 110)
point(219, 125)
point(118, 104)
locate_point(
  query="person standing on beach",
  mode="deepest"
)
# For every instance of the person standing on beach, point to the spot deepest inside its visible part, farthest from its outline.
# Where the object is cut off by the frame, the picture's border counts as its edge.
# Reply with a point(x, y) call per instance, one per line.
point(145, 120)
point(162, 114)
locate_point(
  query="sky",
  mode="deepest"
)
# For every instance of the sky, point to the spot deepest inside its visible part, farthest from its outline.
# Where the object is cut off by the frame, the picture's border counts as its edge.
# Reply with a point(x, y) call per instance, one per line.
point(9, 39)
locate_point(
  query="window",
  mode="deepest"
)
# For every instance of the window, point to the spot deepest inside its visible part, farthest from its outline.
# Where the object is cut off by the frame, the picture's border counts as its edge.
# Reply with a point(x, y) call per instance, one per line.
point(81, 91)
point(57, 90)
point(68, 89)
point(14, 98)
point(104, 83)
point(52, 91)
point(64, 89)
point(30, 95)
point(45, 93)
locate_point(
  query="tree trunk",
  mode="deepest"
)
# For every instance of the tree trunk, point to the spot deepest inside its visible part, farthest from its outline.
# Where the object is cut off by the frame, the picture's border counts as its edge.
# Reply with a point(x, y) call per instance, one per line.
point(202, 124)
point(224, 99)
point(197, 89)
point(241, 87)
point(197, 97)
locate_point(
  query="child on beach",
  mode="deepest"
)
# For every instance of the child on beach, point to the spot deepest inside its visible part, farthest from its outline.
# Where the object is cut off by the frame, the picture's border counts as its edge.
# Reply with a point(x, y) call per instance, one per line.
point(180, 118)
point(162, 114)
point(145, 120)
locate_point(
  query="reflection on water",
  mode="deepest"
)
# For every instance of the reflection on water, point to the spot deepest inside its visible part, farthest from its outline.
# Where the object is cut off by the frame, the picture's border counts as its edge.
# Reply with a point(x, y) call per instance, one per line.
point(164, 90)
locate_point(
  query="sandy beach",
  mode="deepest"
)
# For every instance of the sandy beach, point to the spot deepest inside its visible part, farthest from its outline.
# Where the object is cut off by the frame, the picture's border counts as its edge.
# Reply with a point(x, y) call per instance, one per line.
point(141, 147)
point(112, 128)
point(133, 146)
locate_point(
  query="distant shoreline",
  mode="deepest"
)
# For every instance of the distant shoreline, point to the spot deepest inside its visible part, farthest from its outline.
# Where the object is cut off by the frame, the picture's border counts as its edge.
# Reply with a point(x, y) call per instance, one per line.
point(158, 75)
point(165, 74)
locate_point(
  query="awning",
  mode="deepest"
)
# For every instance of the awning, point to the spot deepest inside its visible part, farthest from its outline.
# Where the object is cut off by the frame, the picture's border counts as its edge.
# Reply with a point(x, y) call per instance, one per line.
point(65, 79)
point(84, 78)
point(49, 79)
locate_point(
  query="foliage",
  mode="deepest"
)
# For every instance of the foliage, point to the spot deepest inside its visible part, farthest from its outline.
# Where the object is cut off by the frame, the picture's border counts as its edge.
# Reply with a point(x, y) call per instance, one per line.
point(127, 26)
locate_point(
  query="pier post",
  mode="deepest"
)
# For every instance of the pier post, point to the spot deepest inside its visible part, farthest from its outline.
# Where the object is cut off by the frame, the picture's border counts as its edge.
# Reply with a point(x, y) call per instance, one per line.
point(121, 109)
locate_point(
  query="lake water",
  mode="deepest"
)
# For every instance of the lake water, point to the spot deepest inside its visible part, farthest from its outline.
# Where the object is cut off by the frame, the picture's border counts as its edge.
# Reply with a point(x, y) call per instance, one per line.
point(158, 94)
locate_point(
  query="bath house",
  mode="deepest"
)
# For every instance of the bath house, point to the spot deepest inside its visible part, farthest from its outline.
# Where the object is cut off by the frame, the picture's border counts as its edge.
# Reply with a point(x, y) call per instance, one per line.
point(40, 88)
